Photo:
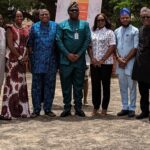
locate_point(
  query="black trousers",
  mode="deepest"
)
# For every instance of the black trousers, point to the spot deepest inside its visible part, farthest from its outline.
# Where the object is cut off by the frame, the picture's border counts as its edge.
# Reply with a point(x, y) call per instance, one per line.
point(100, 77)
point(144, 92)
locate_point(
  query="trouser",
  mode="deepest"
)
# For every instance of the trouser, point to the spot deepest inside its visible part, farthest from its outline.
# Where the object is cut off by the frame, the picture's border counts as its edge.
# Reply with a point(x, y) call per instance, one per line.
point(72, 77)
point(127, 85)
point(46, 81)
point(144, 92)
point(101, 76)
point(42, 92)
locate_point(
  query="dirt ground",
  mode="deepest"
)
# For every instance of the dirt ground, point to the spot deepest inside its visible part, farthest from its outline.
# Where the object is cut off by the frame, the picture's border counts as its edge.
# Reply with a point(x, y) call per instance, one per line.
point(75, 133)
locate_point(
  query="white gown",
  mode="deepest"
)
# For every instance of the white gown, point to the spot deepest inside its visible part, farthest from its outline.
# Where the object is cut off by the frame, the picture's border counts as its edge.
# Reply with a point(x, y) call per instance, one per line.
point(2, 55)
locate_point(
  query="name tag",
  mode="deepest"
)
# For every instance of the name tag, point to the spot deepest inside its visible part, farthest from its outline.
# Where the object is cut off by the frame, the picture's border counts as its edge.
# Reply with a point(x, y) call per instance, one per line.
point(76, 36)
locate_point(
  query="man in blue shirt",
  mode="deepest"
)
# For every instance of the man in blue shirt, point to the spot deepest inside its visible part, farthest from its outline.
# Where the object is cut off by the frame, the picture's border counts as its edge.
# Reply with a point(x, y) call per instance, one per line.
point(43, 63)
point(73, 38)
point(127, 43)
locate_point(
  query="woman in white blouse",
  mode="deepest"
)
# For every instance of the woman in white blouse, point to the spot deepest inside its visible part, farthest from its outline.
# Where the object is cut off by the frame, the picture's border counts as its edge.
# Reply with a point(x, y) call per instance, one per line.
point(2, 55)
point(101, 54)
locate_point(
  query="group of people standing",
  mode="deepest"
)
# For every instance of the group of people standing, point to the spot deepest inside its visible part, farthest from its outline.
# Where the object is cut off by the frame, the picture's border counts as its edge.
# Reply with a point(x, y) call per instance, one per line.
point(50, 47)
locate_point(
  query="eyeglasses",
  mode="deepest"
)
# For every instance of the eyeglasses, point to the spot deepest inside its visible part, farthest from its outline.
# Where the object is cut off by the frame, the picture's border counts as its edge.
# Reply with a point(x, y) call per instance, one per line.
point(74, 10)
point(44, 14)
point(145, 17)
point(100, 20)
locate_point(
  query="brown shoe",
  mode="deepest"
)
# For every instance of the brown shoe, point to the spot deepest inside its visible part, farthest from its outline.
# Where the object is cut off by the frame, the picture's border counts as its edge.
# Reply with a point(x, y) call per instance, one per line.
point(50, 114)
point(104, 112)
point(95, 112)
point(35, 114)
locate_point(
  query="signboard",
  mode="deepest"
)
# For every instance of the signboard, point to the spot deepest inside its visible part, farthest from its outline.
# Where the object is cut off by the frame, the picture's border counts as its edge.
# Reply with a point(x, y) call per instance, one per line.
point(88, 10)
point(83, 7)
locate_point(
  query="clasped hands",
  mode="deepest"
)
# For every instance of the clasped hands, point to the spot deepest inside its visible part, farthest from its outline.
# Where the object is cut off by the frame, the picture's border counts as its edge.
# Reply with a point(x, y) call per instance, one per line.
point(73, 57)
point(122, 62)
point(95, 62)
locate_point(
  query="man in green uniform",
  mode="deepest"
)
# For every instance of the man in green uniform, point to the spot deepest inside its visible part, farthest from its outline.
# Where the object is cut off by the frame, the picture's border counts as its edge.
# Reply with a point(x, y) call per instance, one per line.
point(73, 38)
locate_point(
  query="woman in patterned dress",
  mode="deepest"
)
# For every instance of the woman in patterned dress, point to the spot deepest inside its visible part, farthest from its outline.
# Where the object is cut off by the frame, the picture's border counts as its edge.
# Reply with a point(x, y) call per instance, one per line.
point(103, 46)
point(15, 97)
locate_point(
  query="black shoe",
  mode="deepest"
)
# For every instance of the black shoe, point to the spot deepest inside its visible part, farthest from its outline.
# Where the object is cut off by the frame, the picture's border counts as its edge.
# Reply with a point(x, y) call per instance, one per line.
point(3, 118)
point(35, 114)
point(131, 113)
point(142, 116)
point(123, 113)
point(80, 113)
point(65, 113)
point(50, 114)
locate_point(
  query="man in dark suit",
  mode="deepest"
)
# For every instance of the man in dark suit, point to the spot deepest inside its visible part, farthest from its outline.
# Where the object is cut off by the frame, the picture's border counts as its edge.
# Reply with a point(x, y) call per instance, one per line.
point(141, 69)
point(73, 38)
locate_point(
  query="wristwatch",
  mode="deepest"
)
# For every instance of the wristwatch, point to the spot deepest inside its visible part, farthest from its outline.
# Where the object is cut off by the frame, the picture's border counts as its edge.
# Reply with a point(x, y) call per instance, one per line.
point(20, 58)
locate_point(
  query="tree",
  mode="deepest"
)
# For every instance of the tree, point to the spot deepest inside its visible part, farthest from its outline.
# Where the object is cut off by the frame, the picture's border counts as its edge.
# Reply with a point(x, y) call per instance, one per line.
point(8, 6)
point(112, 7)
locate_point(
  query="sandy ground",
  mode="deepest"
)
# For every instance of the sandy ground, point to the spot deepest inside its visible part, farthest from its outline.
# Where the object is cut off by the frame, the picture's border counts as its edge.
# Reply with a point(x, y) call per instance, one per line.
point(75, 133)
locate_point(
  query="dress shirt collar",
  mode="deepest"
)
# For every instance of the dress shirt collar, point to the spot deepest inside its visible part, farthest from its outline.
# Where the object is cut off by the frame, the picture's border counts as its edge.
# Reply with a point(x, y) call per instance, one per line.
point(102, 29)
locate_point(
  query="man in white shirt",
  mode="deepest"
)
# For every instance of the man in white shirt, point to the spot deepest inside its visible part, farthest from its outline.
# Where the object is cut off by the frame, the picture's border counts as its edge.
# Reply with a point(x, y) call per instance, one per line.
point(127, 37)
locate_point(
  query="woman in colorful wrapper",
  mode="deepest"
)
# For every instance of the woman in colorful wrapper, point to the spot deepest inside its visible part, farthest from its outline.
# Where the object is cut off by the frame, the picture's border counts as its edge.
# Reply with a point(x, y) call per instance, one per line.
point(15, 97)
